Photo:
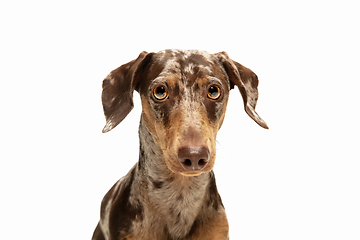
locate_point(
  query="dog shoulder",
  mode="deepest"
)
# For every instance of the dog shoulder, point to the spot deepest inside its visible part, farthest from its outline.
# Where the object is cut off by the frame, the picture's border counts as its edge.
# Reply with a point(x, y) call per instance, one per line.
point(118, 210)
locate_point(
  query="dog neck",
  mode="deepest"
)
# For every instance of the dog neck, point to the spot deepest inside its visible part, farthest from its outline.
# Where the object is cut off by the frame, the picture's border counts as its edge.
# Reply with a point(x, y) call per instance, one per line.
point(177, 198)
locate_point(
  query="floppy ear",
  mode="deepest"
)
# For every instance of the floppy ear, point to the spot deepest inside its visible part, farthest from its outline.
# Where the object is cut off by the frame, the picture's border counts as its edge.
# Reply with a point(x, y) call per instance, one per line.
point(247, 82)
point(118, 87)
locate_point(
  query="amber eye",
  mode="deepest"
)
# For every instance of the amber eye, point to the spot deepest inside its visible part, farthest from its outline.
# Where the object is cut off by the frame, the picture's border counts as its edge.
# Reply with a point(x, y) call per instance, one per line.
point(214, 92)
point(160, 92)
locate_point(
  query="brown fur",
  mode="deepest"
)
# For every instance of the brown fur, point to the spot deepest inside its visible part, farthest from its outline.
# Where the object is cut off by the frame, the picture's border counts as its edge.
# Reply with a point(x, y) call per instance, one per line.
point(162, 197)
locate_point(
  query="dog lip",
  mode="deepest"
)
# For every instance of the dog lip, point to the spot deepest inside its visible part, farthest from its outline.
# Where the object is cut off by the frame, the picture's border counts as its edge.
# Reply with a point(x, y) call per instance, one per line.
point(189, 173)
point(195, 173)
point(192, 173)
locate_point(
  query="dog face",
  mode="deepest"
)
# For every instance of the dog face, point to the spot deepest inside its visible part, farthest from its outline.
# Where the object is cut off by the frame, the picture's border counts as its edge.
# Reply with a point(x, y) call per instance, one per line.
point(184, 96)
point(184, 104)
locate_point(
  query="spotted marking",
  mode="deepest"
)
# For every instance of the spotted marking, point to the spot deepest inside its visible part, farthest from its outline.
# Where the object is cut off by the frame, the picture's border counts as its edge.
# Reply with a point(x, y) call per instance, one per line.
point(158, 199)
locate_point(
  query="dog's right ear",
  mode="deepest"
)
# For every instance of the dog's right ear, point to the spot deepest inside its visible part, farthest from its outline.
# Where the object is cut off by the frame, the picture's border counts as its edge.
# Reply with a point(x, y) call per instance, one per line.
point(118, 87)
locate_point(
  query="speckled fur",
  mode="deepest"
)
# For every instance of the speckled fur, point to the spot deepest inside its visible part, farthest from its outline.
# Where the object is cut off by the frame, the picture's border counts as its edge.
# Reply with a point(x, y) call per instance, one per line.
point(159, 198)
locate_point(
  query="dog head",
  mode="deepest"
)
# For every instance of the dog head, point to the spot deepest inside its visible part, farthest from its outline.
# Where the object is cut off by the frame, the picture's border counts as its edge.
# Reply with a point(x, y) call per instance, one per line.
point(184, 96)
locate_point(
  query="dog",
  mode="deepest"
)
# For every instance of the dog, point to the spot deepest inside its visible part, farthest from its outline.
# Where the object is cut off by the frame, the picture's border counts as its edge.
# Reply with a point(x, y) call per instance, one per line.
point(170, 193)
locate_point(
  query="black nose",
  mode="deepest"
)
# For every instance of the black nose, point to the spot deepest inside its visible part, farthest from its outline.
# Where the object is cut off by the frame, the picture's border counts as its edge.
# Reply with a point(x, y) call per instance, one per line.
point(194, 158)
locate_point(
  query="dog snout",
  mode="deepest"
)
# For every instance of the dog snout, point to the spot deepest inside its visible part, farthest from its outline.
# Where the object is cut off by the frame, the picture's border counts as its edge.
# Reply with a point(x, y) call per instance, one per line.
point(194, 159)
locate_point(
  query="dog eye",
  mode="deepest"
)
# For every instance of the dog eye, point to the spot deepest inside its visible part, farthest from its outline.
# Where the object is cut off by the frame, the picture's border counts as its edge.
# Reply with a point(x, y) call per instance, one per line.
point(160, 92)
point(214, 92)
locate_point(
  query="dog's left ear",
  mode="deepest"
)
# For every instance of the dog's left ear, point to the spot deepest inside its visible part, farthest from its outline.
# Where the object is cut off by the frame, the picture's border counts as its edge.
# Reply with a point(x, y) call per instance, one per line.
point(247, 82)
point(118, 87)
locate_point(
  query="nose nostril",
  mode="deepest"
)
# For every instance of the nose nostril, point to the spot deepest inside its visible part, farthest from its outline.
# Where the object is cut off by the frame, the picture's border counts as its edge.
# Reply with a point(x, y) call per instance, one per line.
point(202, 162)
point(187, 162)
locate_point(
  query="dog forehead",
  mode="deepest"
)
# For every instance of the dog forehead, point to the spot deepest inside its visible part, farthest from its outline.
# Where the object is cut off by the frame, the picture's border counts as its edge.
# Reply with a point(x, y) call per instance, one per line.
point(184, 54)
point(182, 67)
point(184, 64)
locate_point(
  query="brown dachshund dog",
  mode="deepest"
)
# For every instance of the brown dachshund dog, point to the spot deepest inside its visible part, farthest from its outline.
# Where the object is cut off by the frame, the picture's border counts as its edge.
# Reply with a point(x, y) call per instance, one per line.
point(170, 193)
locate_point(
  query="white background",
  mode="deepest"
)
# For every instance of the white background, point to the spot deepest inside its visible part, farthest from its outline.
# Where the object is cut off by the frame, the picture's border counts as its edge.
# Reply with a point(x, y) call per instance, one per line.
point(298, 180)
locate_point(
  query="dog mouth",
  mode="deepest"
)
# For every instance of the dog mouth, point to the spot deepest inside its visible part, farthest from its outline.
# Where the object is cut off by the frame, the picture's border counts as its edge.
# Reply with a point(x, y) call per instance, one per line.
point(192, 173)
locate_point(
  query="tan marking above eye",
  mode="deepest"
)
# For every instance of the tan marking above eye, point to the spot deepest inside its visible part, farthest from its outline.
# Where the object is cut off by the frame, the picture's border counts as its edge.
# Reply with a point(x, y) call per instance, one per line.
point(214, 92)
point(160, 92)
